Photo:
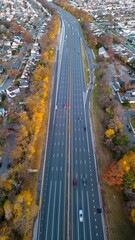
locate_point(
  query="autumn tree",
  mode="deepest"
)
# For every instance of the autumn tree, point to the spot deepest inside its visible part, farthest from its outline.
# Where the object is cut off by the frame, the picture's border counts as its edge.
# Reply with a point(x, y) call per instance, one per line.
point(22, 211)
point(13, 73)
point(110, 133)
point(16, 28)
point(127, 164)
point(121, 140)
point(27, 36)
point(132, 215)
point(116, 124)
point(18, 208)
point(3, 138)
point(8, 210)
point(4, 238)
point(113, 175)
point(106, 41)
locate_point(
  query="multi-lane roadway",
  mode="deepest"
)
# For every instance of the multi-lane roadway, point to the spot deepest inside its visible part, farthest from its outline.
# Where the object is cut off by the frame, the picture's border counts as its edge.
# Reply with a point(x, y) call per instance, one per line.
point(70, 181)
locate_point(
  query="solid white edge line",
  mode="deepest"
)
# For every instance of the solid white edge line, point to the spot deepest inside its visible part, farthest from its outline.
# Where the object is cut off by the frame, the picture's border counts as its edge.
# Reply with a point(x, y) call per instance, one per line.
point(77, 214)
point(48, 211)
point(59, 212)
point(83, 217)
point(89, 215)
point(53, 210)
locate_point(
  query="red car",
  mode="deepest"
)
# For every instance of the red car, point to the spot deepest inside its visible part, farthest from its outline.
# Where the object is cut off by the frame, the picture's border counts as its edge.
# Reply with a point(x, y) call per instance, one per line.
point(65, 105)
point(74, 182)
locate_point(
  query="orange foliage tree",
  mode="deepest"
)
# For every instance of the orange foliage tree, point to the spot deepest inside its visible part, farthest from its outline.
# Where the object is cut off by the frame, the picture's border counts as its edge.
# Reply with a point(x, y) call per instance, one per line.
point(13, 73)
point(113, 175)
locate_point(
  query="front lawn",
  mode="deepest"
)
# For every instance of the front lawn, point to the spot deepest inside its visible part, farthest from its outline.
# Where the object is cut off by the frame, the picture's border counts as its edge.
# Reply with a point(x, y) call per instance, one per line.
point(133, 122)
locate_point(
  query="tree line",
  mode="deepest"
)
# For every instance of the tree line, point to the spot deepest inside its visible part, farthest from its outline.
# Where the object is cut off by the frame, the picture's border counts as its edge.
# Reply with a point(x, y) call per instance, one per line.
point(18, 207)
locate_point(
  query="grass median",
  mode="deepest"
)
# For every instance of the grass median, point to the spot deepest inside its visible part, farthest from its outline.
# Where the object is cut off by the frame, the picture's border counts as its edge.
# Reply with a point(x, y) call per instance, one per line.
point(85, 65)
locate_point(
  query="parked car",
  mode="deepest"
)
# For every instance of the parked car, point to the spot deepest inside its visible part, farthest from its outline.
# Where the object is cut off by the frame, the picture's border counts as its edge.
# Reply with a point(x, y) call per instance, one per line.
point(9, 165)
point(129, 128)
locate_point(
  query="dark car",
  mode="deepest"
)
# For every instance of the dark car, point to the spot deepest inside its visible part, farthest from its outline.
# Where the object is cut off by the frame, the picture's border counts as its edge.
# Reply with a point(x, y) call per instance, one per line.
point(84, 182)
point(84, 128)
point(99, 210)
point(80, 118)
point(9, 165)
point(74, 182)
point(129, 128)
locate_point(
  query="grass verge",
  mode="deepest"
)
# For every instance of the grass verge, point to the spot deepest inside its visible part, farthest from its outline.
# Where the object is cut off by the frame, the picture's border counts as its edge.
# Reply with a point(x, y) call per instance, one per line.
point(117, 225)
point(85, 65)
point(2, 79)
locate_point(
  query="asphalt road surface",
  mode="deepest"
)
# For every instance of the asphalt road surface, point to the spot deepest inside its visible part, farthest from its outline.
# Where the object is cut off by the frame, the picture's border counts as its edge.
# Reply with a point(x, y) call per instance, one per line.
point(70, 153)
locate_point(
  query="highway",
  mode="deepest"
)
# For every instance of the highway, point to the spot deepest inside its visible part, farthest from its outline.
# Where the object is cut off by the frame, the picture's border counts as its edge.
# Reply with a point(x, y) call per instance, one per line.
point(70, 154)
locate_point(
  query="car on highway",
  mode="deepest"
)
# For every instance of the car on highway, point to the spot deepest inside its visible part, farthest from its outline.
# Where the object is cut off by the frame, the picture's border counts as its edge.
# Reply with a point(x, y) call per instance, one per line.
point(74, 182)
point(80, 215)
point(65, 105)
point(56, 107)
point(84, 181)
point(80, 118)
point(84, 128)
point(99, 210)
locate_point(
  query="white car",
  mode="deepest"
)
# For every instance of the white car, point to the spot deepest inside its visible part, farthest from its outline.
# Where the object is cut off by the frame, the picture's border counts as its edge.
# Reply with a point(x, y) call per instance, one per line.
point(80, 215)
point(56, 107)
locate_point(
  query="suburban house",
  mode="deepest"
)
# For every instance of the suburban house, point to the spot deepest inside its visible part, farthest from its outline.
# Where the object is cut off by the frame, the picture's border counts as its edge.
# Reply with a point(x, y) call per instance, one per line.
point(1, 68)
point(2, 112)
point(12, 91)
point(103, 52)
point(116, 86)
point(24, 83)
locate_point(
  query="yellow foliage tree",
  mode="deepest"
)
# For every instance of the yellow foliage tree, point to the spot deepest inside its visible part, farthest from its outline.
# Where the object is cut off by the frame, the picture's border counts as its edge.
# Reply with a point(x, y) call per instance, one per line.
point(4, 238)
point(8, 185)
point(5, 232)
point(30, 150)
point(23, 134)
point(24, 210)
point(8, 210)
point(132, 215)
point(24, 118)
point(20, 208)
point(17, 152)
point(127, 163)
point(110, 133)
